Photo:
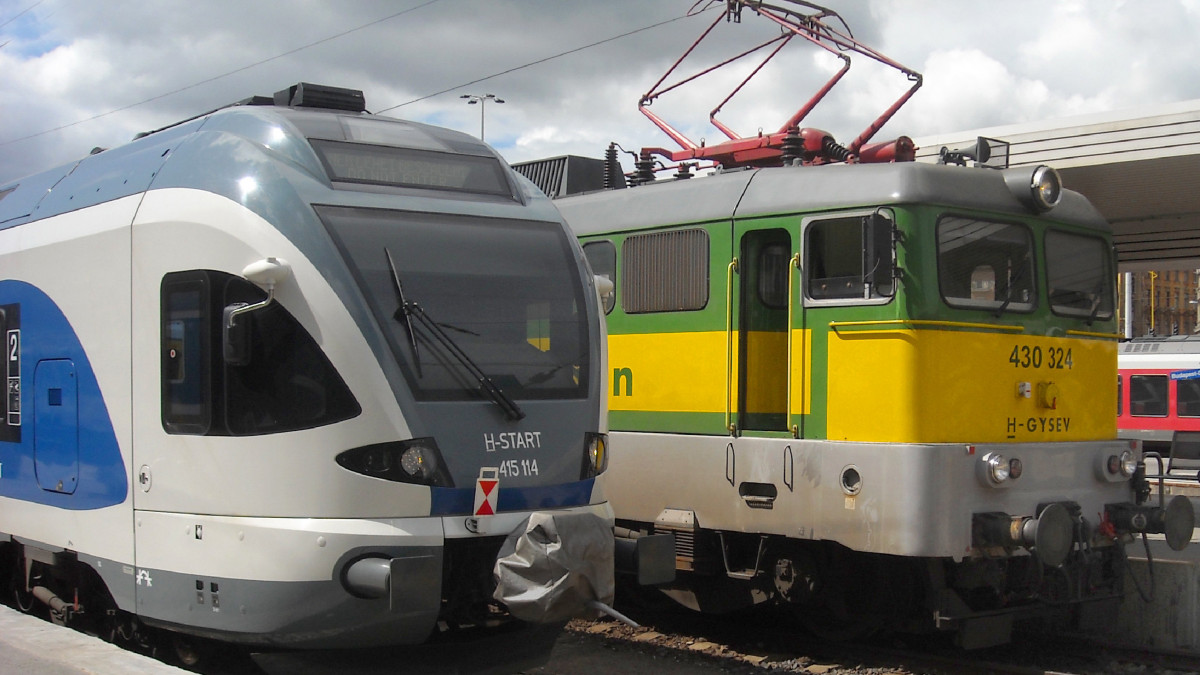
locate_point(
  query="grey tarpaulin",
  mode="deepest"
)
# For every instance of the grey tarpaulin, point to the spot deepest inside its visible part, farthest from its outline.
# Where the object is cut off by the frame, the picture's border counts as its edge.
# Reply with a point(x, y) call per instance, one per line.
point(554, 564)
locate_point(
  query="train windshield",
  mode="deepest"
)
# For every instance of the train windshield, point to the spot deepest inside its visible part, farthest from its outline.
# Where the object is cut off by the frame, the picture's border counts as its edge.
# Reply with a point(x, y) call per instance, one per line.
point(1078, 275)
point(506, 293)
point(986, 265)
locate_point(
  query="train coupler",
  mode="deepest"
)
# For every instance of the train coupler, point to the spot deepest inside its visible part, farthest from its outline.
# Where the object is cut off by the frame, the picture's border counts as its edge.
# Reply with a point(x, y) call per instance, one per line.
point(1176, 520)
point(1050, 535)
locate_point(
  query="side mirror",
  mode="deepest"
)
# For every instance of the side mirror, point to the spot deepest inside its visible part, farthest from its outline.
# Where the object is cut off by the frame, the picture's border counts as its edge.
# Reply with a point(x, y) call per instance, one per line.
point(235, 332)
point(604, 288)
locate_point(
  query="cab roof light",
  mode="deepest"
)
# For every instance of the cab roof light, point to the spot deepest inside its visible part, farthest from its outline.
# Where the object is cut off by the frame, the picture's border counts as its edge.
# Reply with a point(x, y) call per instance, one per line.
point(1039, 188)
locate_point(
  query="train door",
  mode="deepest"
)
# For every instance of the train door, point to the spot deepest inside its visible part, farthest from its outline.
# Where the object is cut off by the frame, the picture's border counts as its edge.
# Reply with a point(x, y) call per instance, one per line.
point(766, 313)
point(56, 425)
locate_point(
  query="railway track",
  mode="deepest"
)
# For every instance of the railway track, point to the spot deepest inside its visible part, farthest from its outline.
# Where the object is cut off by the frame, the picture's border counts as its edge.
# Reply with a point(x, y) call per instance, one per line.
point(674, 640)
point(765, 641)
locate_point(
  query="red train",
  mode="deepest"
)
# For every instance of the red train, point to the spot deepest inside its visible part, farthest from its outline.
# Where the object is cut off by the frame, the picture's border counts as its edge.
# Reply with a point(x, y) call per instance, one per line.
point(1158, 389)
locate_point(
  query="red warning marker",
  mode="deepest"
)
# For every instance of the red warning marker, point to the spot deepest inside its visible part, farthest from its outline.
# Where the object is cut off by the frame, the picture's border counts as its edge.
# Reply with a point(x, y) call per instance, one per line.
point(487, 488)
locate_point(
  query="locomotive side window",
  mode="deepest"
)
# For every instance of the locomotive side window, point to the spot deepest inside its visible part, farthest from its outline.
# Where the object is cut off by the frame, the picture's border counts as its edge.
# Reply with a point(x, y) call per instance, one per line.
point(1078, 275)
point(285, 384)
point(665, 271)
point(1148, 395)
point(1187, 398)
point(985, 265)
point(848, 258)
point(773, 275)
point(186, 373)
point(602, 256)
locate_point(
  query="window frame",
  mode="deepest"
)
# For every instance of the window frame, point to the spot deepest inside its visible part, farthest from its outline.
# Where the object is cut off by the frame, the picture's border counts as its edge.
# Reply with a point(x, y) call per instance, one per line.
point(215, 396)
point(1107, 274)
point(1192, 385)
point(1014, 307)
point(1166, 398)
point(610, 303)
point(806, 225)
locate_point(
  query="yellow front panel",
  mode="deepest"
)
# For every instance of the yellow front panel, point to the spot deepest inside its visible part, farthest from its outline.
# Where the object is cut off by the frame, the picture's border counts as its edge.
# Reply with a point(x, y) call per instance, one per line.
point(940, 386)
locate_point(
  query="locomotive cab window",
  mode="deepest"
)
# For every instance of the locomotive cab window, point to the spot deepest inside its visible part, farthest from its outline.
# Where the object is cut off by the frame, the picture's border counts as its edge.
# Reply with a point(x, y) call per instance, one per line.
point(849, 258)
point(284, 382)
point(986, 265)
point(1079, 275)
point(1148, 395)
point(602, 256)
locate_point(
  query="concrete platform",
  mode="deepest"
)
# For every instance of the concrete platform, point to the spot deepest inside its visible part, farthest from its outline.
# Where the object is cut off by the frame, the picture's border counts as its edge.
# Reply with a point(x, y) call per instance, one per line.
point(1171, 620)
point(31, 645)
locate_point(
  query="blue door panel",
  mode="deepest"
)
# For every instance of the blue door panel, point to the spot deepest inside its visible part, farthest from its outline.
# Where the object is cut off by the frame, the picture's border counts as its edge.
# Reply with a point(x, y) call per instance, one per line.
point(62, 430)
point(56, 425)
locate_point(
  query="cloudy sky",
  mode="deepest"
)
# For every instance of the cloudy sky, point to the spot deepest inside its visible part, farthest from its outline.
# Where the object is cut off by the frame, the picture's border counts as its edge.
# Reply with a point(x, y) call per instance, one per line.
point(76, 74)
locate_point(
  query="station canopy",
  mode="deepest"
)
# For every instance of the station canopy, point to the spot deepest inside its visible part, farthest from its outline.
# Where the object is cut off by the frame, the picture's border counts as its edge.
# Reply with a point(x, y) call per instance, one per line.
point(1140, 167)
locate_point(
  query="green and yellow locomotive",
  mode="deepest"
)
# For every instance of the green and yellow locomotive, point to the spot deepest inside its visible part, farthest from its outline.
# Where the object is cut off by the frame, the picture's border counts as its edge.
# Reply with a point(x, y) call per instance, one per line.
point(882, 393)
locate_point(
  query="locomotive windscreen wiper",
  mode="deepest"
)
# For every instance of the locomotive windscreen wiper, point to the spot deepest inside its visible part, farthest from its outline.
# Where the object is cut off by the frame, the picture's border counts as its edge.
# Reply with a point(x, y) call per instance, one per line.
point(1012, 283)
point(407, 311)
point(403, 310)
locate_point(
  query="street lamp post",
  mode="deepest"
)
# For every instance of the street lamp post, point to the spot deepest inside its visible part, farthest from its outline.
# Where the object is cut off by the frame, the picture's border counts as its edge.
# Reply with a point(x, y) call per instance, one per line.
point(482, 100)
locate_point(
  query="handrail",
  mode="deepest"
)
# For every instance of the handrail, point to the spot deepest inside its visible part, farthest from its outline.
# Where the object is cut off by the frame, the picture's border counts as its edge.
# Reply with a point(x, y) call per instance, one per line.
point(922, 322)
point(793, 264)
point(729, 272)
point(1088, 333)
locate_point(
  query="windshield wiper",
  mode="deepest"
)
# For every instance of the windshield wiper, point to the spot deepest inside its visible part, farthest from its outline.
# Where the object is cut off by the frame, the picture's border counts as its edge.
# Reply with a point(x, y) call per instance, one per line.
point(408, 310)
point(1012, 282)
point(1097, 303)
point(403, 313)
point(486, 385)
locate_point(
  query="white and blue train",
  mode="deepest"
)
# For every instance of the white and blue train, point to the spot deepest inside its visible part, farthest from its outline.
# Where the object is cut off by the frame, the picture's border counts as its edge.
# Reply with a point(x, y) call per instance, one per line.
point(289, 373)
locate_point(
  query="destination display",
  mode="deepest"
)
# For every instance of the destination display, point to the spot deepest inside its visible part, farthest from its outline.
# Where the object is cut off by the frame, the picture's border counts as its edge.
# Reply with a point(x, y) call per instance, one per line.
point(408, 167)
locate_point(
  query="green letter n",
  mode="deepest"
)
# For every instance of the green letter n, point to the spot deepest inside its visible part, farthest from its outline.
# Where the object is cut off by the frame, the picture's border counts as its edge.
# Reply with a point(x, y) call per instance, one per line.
point(619, 373)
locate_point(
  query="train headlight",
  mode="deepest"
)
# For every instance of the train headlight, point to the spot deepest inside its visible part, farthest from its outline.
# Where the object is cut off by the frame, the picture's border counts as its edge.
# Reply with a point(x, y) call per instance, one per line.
point(418, 462)
point(1129, 463)
point(1038, 188)
point(998, 469)
point(1046, 187)
point(413, 461)
point(1124, 465)
point(595, 455)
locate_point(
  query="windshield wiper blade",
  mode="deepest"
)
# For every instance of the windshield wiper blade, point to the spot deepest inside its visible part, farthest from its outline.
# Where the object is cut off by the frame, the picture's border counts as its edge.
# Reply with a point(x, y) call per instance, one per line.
point(403, 313)
point(1012, 283)
point(486, 385)
point(1097, 303)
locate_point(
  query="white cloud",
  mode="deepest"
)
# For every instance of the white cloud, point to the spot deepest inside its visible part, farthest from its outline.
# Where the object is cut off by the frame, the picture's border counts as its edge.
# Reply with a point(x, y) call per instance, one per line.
point(984, 64)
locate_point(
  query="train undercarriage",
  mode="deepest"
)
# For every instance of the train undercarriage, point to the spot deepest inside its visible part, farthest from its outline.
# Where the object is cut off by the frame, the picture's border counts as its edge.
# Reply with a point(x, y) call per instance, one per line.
point(837, 593)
